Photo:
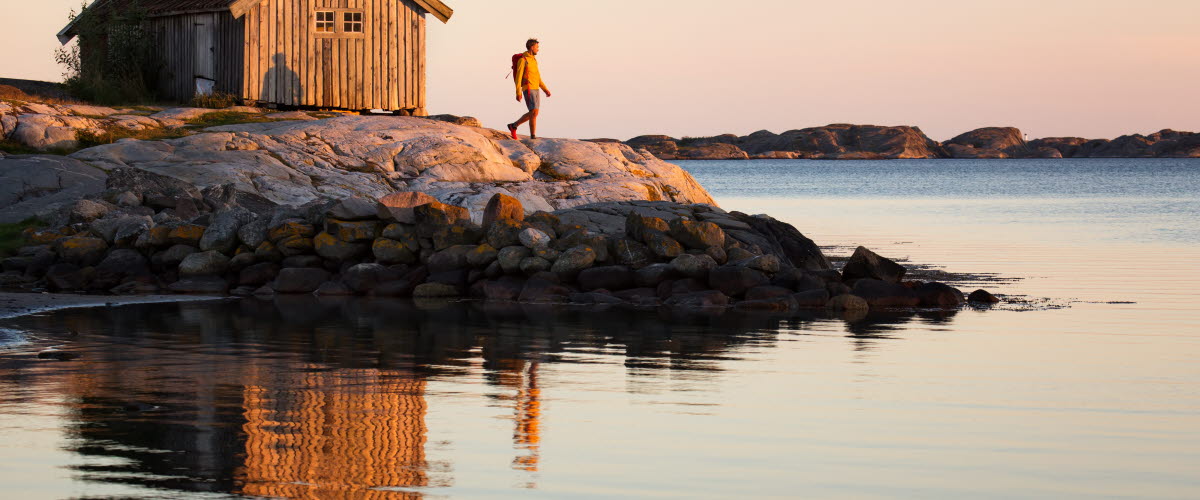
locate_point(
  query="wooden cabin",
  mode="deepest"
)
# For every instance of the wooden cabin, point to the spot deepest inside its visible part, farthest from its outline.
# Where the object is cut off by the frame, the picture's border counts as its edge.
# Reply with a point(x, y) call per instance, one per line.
point(339, 54)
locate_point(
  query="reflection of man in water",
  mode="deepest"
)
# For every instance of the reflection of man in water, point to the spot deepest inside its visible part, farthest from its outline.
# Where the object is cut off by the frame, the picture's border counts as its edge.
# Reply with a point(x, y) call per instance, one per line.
point(281, 84)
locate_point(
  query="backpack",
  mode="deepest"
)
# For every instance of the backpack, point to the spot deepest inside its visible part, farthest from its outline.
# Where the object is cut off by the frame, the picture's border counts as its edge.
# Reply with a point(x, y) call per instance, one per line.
point(516, 58)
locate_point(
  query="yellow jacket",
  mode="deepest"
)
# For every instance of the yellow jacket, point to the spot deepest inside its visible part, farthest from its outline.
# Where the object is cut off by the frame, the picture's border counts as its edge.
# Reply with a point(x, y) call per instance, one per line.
point(527, 72)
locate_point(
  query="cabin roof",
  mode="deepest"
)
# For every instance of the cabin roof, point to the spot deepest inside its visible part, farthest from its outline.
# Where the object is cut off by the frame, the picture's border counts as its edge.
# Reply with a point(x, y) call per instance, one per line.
point(159, 8)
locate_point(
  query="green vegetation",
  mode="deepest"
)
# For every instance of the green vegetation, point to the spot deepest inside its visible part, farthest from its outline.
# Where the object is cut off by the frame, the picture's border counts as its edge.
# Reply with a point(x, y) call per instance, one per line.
point(219, 118)
point(11, 238)
point(119, 67)
point(215, 100)
point(113, 134)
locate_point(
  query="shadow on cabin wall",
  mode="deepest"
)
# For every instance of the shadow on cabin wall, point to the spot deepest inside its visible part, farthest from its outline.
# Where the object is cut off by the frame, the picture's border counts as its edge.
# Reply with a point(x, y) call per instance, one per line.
point(281, 85)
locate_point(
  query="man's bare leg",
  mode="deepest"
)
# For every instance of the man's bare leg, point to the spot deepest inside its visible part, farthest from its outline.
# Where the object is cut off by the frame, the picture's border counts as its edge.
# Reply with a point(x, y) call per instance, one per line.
point(530, 117)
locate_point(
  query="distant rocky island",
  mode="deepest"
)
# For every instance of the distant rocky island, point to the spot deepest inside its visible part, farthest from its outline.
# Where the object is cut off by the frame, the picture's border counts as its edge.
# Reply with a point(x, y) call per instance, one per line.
point(873, 142)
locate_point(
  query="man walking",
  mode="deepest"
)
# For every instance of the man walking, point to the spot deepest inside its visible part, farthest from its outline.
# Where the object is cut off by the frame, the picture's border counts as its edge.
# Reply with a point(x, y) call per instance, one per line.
point(530, 86)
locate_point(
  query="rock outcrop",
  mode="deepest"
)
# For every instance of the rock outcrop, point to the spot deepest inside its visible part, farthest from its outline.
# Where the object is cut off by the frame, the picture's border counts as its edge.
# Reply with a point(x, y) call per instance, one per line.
point(297, 162)
point(629, 253)
point(988, 142)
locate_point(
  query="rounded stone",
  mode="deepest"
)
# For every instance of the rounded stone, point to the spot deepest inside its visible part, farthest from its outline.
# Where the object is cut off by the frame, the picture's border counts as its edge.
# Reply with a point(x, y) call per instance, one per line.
point(534, 238)
point(210, 263)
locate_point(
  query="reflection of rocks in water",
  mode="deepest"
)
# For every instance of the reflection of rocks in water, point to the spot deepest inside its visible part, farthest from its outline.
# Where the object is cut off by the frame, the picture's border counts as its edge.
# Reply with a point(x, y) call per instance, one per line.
point(324, 397)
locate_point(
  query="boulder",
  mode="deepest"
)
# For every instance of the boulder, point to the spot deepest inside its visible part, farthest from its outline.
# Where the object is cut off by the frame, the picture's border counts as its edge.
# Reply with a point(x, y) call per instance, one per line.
point(574, 260)
point(735, 280)
point(258, 274)
point(696, 235)
point(982, 296)
point(867, 264)
point(797, 280)
point(693, 266)
point(767, 292)
point(362, 278)
point(299, 245)
point(630, 253)
point(482, 256)
point(606, 277)
point(812, 298)
point(847, 303)
point(505, 232)
point(388, 251)
point(502, 206)
point(637, 225)
point(186, 234)
point(450, 259)
point(81, 250)
point(507, 288)
point(699, 300)
point(173, 256)
point(431, 216)
point(534, 265)
point(662, 246)
point(209, 263)
point(333, 289)
point(289, 228)
point(654, 274)
point(462, 232)
point(934, 294)
point(39, 186)
point(253, 233)
point(533, 238)
point(774, 304)
point(399, 206)
point(510, 258)
point(200, 284)
point(879, 293)
point(65, 277)
point(435, 290)
point(353, 231)
point(299, 280)
point(538, 290)
point(338, 250)
point(593, 298)
point(222, 234)
point(353, 209)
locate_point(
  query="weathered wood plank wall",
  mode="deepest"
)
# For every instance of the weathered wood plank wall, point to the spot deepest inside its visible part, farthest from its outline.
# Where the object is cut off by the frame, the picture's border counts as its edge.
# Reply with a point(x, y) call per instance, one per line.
point(287, 62)
point(178, 46)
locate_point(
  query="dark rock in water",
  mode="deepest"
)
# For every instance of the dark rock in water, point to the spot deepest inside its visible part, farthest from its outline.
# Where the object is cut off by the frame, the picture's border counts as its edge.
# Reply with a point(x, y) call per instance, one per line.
point(693, 266)
point(502, 206)
point(593, 298)
point(879, 293)
point(299, 280)
point(703, 299)
point(506, 288)
point(201, 284)
point(173, 256)
point(258, 274)
point(811, 298)
point(684, 286)
point(607, 277)
point(482, 256)
point(540, 290)
point(638, 296)
point(934, 294)
point(454, 277)
point(436, 290)
point(837, 288)
point(766, 263)
point(242, 261)
point(211, 263)
point(848, 303)
point(58, 355)
point(735, 280)
point(334, 289)
point(574, 260)
point(653, 274)
point(784, 240)
point(867, 264)
point(767, 292)
point(362, 278)
point(303, 261)
point(533, 265)
point(119, 265)
point(774, 304)
point(696, 235)
point(982, 295)
point(797, 280)
point(630, 253)
point(662, 245)
point(65, 277)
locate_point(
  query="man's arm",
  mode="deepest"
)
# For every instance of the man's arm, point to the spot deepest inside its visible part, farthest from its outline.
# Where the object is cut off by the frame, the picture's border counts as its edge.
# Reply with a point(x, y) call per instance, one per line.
point(519, 76)
point(545, 89)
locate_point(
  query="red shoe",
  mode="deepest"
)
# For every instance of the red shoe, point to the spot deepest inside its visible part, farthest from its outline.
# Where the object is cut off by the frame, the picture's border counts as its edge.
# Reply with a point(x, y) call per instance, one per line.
point(512, 129)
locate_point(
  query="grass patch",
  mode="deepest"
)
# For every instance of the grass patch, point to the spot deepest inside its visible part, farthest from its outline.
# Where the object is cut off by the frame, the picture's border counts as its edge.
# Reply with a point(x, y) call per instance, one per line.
point(110, 135)
point(220, 118)
point(15, 148)
point(11, 238)
point(215, 100)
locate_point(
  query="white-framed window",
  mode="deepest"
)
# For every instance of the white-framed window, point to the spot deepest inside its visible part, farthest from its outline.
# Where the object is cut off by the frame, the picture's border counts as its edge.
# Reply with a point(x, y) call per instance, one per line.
point(326, 21)
point(352, 22)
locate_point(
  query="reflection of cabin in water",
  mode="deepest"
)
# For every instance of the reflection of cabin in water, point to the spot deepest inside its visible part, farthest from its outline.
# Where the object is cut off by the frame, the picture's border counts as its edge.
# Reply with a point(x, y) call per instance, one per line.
point(346, 54)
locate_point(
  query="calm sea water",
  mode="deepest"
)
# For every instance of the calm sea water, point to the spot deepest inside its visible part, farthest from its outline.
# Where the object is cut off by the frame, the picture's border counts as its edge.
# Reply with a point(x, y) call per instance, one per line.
point(1084, 385)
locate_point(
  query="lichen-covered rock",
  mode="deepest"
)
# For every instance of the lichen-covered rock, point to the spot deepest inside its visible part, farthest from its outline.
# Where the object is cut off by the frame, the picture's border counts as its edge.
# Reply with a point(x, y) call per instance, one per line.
point(693, 266)
point(505, 232)
point(696, 235)
point(290, 228)
point(253, 233)
point(662, 245)
point(459, 233)
point(432, 216)
point(296, 245)
point(510, 258)
point(399, 207)
point(636, 225)
point(502, 206)
point(209, 262)
point(222, 234)
point(353, 231)
point(533, 265)
point(574, 260)
point(338, 250)
point(534, 238)
point(482, 256)
point(630, 253)
point(186, 234)
point(389, 251)
point(81, 250)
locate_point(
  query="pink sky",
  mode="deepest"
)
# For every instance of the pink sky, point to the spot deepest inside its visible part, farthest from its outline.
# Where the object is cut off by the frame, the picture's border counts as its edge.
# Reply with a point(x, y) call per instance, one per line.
point(620, 68)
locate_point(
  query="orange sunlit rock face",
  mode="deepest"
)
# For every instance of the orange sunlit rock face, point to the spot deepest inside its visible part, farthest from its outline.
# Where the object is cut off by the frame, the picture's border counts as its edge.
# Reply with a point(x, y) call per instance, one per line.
point(334, 434)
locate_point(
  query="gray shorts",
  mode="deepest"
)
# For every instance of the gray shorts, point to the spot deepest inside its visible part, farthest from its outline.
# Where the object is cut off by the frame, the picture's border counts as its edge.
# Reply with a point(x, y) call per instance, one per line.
point(533, 99)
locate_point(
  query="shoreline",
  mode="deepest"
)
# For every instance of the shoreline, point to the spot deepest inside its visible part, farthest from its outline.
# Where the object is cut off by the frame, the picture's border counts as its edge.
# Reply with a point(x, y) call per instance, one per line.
point(17, 304)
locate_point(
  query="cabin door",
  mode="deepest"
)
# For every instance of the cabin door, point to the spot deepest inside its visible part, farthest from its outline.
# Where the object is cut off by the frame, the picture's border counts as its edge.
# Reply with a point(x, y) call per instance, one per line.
point(327, 76)
point(205, 64)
